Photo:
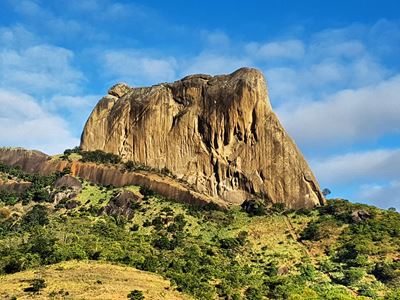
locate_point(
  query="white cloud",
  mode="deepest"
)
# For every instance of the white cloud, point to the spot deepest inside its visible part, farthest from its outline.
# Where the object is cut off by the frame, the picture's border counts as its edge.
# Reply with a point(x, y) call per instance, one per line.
point(214, 64)
point(137, 67)
point(348, 116)
point(384, 196)
point(218, 39)
point(72, 103)
point(287, 49)
point(39, 69)
point(16, 36)
point(25, 123)
point(367, 166)
point(75, 110)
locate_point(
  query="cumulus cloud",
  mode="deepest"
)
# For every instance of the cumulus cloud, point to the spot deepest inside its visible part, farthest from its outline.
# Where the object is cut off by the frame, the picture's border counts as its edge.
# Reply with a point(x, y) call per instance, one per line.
point(16, 36)
point(74, 109)
point(347, 116)
point(137, 67)
point(210, 63)
point(286, 49)
point(353, 167)
point(39, 69)
point(385, 196)
point(25, 123)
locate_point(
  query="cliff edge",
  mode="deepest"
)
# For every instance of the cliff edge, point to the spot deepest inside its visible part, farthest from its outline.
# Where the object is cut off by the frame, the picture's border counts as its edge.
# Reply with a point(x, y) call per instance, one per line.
point(219, 134)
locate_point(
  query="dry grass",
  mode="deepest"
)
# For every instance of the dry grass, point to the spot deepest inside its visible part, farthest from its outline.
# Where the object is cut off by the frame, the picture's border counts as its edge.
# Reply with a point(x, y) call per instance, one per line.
point(88, 280)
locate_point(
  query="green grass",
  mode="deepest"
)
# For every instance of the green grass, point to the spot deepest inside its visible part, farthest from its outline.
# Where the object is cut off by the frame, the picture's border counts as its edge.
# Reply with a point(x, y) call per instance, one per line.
point(92, 194)
point(229, 254)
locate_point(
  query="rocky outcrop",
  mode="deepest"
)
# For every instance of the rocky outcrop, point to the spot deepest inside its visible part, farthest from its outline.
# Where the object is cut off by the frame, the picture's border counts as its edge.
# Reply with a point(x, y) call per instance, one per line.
point(15, 186)
point(66, 187)
point(28, 160)
point(123, 204)
point(107, 175)
point(218, 134)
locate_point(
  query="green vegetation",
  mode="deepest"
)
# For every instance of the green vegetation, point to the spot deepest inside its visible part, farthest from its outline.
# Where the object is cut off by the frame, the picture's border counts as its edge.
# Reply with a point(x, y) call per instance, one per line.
point(36, 286)
point(37, 192)
point(136, 295)
point(340, 251)
point(101, 157)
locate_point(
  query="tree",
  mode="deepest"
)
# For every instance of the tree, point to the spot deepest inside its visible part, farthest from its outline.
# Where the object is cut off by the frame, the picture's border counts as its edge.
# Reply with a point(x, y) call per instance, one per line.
point(326, 192)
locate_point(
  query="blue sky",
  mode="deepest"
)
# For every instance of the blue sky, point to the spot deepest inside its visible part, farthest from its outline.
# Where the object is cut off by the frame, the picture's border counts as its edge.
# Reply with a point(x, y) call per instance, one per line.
point(333, 72)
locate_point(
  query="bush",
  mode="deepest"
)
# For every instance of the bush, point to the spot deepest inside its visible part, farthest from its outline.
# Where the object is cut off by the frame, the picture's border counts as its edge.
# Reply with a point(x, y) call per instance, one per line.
point(146, 192)
point(254, 207)
point(36, 286)
point(386, 272)
point(129, 166)
point(38, 215)
point(318, 230)
point(8, 198)
point(99, 156)
point(278, 207)
point(135, 227)
point(307, 272)
point(136, 295)
point(352, 276)
point(253, 294)
point(76, 149)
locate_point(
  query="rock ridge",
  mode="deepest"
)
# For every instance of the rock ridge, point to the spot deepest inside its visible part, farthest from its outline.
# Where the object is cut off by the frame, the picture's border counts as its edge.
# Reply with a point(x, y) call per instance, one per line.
point(218, 133)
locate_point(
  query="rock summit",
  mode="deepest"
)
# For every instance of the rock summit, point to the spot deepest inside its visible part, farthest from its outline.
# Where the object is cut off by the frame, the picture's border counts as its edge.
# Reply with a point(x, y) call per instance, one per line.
point(217, 133)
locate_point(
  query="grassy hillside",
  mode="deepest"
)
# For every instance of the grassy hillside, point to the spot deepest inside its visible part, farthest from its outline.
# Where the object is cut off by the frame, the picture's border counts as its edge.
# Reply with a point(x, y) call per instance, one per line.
point(86, 280)
point(340, 251)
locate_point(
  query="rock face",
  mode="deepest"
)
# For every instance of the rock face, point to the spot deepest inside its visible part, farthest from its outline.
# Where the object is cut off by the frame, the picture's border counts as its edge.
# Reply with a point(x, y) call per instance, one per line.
point(30, 162)
point(18, 187)
point(219, 134)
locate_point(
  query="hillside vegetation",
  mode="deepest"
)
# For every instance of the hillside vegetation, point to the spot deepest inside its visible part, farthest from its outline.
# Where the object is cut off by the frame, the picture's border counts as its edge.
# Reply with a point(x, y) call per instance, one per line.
point(340, 251)
point(86, 280)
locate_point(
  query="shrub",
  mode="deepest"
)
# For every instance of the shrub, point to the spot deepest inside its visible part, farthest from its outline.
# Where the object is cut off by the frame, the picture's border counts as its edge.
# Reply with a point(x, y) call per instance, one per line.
point(136, 295)
point(393, 295)
point(129, 166)
point(386, 272)
point(73, 150)
point(99, 156)
point(254, 207)
point(252, 293)
point(135, 227)
point(146, 192)
point(38, 215)
point(307, 272)
point(8, 198)
point(318, 230)
point(352, 276)
point(278, 207)
point(36, 286)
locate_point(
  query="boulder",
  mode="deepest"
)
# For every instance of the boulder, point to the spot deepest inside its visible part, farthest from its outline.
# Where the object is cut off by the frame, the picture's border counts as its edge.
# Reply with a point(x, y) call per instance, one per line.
point(67, 187)
point(218, 134)
point(123, 204)
point(360, 215)
point(68, 181)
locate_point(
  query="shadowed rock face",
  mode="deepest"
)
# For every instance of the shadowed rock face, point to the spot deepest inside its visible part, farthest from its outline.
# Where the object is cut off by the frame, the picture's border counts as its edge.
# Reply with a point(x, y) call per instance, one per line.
point(219, 134)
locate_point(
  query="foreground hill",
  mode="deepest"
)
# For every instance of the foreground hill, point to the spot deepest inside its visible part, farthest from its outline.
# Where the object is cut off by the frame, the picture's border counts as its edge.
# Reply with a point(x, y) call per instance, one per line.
point(339, 251)
point(86, 280)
